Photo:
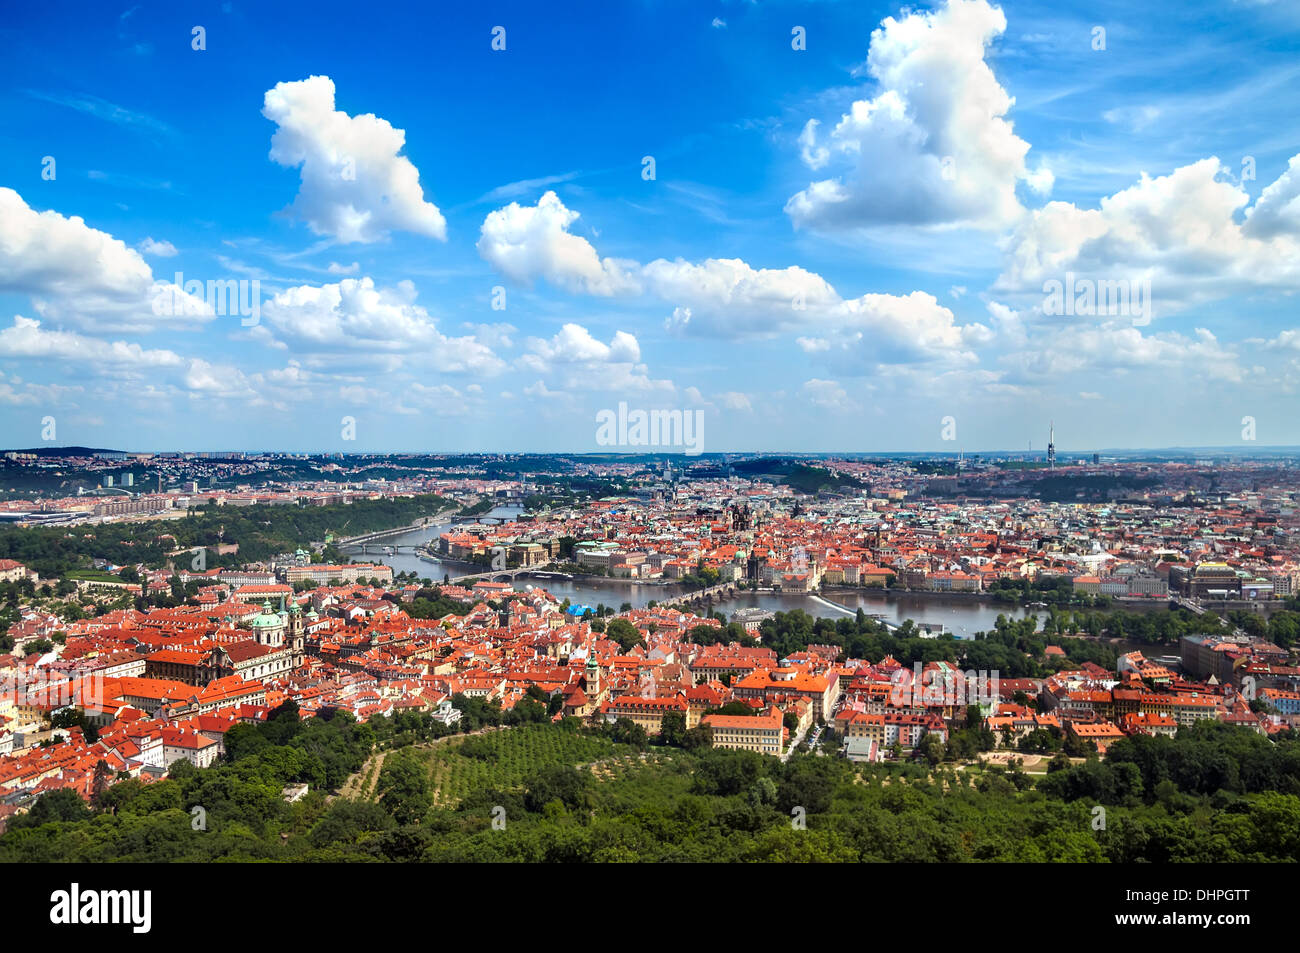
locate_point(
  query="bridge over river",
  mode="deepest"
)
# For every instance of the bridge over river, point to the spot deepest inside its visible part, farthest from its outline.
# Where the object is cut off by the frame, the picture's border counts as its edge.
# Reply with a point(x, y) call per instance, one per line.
point(703, 597)
point(388, 549)
point(509, 575)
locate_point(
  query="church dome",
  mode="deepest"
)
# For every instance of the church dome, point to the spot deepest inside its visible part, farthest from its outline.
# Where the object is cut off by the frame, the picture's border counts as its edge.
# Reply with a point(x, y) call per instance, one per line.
point(266, 619)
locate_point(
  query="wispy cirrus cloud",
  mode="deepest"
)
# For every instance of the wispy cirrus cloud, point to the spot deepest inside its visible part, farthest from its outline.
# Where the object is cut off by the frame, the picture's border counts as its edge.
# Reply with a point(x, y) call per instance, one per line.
point(512, 190)
point(108, 111)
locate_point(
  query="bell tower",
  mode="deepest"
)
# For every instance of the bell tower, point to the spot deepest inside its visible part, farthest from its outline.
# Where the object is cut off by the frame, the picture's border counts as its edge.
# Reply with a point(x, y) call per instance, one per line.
point(295, 638)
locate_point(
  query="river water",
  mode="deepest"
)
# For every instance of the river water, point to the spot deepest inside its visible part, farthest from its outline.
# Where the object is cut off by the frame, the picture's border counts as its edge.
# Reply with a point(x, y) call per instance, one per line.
point(962, 617)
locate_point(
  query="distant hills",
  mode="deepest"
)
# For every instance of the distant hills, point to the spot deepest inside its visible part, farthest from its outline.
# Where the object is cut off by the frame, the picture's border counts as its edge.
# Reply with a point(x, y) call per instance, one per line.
point(450, 458)
point(63, 451)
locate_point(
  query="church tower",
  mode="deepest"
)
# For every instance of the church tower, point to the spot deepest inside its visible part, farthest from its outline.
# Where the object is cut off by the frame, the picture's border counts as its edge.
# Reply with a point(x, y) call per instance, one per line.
point(296, 636)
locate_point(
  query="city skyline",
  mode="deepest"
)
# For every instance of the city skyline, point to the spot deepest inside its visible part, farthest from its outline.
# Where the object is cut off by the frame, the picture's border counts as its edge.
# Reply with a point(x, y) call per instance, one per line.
point(817, 226)
point(1065, 457)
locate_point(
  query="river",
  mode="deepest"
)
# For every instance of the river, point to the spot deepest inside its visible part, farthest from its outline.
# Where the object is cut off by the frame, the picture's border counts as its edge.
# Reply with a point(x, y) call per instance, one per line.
point(963, 617)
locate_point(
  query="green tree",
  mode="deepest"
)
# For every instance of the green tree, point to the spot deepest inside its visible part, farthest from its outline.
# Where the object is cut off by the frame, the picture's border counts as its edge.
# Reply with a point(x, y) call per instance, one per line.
point(623, 632)
point(61, 805)
point(672, 729)
point(930, 749)
point(404, 789)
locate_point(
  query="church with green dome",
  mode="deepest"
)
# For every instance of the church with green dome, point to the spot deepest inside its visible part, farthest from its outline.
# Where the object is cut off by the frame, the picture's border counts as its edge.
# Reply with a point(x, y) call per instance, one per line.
point(285, 628)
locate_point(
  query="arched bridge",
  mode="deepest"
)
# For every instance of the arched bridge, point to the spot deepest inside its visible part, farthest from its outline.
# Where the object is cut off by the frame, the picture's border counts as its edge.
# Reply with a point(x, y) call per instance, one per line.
point(507, 575)
point(718, 593)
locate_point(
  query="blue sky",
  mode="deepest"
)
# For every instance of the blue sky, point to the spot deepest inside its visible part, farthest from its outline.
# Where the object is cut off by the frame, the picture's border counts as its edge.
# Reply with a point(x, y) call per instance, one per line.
point(840, 247)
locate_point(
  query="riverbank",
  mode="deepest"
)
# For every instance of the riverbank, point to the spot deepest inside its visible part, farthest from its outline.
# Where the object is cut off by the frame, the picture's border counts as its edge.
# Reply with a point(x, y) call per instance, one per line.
point(988, 598)
point(422, 523)
point(616, 580)
point(939, 594)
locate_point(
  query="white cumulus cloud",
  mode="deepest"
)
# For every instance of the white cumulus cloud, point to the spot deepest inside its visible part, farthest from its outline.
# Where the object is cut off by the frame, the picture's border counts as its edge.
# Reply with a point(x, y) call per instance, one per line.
point(160, 249)
point(1191, 234)
point(728, 297)
point(933, 147)
point(575, 344)
point(81, 277)
point(356, 185)
point(526, 243)
point(351, 319)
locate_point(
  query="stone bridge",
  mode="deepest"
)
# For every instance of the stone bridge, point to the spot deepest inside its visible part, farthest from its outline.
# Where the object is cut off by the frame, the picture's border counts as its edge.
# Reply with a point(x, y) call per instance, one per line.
point(704, 597)
point(503, 575)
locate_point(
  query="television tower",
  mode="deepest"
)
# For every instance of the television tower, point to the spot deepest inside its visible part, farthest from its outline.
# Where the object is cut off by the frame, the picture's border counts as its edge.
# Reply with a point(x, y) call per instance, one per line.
point(1051, 446)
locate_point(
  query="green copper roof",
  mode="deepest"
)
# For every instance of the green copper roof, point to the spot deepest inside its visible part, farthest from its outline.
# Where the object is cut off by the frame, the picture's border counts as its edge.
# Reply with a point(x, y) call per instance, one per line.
point(266, 618)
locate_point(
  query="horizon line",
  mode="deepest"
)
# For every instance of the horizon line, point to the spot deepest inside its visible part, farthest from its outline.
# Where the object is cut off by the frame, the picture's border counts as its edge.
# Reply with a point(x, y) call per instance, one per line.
point(672, 453)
